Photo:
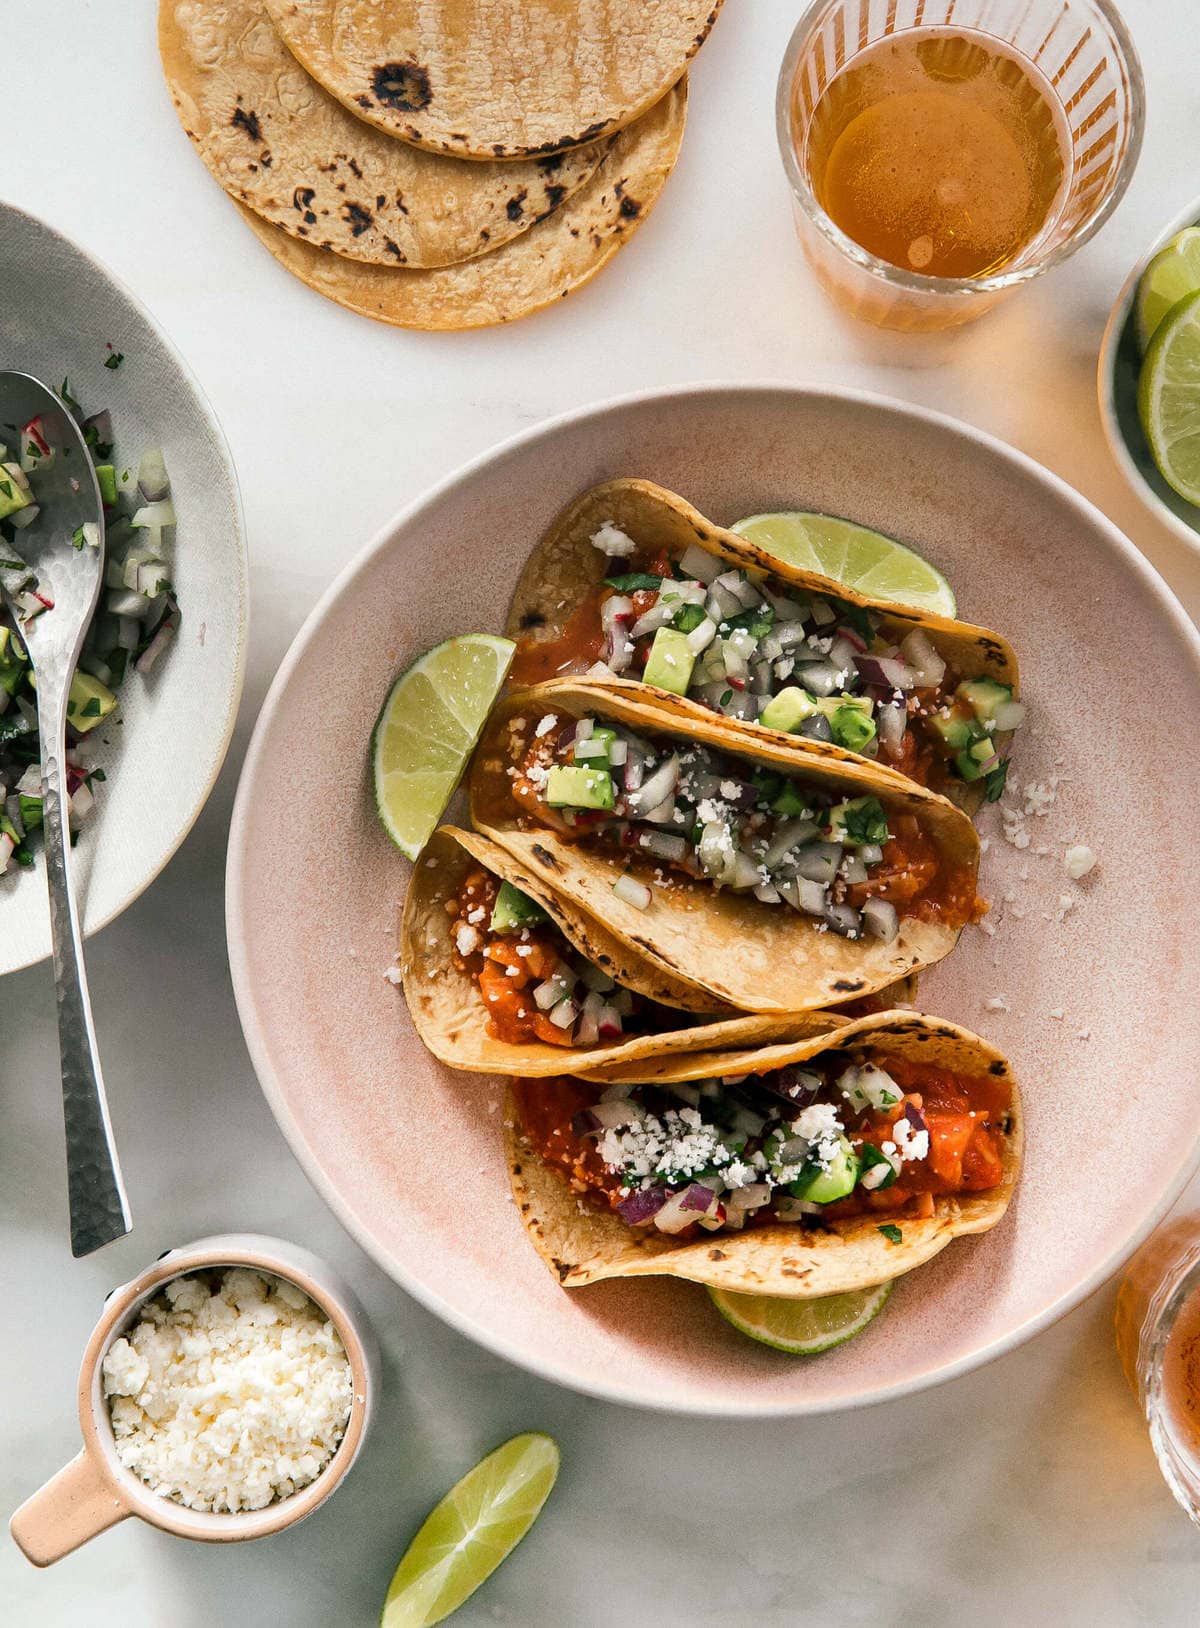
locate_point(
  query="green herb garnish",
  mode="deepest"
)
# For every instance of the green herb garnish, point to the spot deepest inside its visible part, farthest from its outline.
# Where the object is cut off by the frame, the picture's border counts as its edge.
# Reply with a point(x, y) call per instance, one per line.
point(870, 1155)
point(866, 822)
point(995, 781)
point(688, 617)
point(891, 1232)
point(114, 361)
point(634, 582)
point(66, 396)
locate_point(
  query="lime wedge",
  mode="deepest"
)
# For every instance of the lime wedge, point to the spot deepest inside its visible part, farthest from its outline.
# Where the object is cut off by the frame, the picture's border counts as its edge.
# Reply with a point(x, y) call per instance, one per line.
point(1169, 397)
point(803, 1327)
point(428, 729)
point(477, 1525)
point(853, 555)
point(1173, 273)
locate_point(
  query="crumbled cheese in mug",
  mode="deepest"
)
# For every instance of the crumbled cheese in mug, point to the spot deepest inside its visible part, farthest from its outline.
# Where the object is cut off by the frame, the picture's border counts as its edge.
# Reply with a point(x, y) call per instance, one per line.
point(231, 1396)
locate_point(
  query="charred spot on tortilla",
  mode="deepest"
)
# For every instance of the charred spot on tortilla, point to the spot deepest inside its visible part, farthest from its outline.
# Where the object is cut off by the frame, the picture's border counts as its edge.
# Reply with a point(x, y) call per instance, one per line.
point(402, 85)
point(563, 1268)
point(551, 163)
point(630, 207)
point(363, 101)
point(717, 1255)
point(997, 1068)
point(301, 199)
point(515, 207)
point(394, 250)
point(531, 618)
point(847, 986)
point(555, 196)
point(357, 218)
point(545, 856)
point(248, 122)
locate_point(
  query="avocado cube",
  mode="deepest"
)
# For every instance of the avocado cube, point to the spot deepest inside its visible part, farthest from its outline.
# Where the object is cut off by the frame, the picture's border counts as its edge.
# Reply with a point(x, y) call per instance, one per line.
point(852, 728)
point(514, 910)
point(818, 1186)
point(956, 731)
point(790, 803)
point(984, 696)
point(88, 703)
point(14, 491)
point(573, 786)
point(670, 662)
point(788, 710)
point(106, 480)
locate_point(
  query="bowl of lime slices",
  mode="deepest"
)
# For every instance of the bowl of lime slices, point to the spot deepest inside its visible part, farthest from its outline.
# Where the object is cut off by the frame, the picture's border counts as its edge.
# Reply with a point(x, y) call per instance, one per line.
point(1149, 376)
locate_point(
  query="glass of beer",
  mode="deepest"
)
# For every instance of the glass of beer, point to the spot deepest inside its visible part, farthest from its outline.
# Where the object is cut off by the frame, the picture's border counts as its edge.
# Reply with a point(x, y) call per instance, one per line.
point(943, 152)
point(1157, 1329)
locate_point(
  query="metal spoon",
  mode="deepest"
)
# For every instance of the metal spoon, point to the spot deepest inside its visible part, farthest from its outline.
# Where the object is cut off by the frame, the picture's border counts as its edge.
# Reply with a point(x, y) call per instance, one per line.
point(65, 487)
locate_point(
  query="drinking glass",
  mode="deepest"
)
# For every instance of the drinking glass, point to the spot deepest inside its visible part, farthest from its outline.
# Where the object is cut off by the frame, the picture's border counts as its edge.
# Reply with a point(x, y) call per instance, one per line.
point(1157, 1327)
point(1080, 48)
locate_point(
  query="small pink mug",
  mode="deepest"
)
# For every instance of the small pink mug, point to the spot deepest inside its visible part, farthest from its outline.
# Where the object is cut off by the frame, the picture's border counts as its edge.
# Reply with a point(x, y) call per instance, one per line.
point(95, 1490)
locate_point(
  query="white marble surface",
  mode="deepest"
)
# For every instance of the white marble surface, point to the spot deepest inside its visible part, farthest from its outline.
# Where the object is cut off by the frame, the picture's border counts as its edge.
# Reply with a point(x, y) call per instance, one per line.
point(1024, 1490)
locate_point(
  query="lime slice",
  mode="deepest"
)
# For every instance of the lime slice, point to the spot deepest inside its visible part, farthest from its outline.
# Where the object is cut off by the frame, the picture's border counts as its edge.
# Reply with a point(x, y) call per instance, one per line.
point(428, 729)
point(853, 555)
point(1173, 273)
point(1169, 397)
point(803, 1327)
point(477, 1525)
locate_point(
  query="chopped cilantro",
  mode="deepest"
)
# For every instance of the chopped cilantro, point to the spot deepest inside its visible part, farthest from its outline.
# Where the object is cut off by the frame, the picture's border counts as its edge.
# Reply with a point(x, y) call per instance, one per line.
point(726, 697)
point(77, 538)
point(92, 709)
point(6, 488)
point(114, 361)
point(995, 781)
point(758, 623)
point(892, 1233)
point(98, 774)
point(856, 617)
point(634, 582)
point(870, 1155)
point(66, 396)
point(117, 664)
point(865, 821)
point(688, 617)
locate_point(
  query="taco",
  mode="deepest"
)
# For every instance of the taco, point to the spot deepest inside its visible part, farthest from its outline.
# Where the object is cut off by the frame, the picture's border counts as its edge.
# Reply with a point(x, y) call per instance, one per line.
point(503, 977)
point(635, 588)
point(777, 881)
point(796, 1170)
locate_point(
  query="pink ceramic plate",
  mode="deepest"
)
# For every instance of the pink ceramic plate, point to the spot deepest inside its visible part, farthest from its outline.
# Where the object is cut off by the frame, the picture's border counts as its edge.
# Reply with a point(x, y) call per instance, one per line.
point(1098, 1010)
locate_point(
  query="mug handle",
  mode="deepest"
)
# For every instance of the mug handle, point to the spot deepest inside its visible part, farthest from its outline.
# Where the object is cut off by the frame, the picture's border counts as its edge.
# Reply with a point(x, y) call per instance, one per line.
point(75, 1505)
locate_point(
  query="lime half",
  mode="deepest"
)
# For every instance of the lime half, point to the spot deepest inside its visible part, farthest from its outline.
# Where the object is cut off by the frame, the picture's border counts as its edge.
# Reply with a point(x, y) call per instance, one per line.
point(1169, 397)
point(853, 555)
point(803, 1327)
point(1173, 273)
point(477, 1525)
point(428, 729)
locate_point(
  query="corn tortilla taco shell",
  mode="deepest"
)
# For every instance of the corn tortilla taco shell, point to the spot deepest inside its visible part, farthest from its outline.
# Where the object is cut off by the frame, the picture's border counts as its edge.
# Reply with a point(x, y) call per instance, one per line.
point(757, 957)
point(544, 264)
point(564, 566)
point(280, 144)
point(581, 1244)
point(450, 1014)
point(496, 78)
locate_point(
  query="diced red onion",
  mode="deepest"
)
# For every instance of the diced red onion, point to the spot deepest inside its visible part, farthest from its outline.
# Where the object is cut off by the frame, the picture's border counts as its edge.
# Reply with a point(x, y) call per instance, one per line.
point(650, 621)
point(618, 752)
point(550, 993)
point(26, 516)
point(745, 872)
point(744, 591)
point(564, 1014)
point(843, 919)
point(635, 765)
point(915, 1117)
point(701, 636)
point(609, 1023)
point(880, 920)
point(891, 721)
point(642, 1205)
point(887, 672)
point(587, 1031)
point(663, 814)
point(1009, 715)
point(822, 678)
point(789, 835)
point(656, 789)
point(153, 480)
point(924, 660)
point(157, 644)
point(752, 1197)
point(852, 637)
point(699, 563)
point(663, 845)
point(632, 892)
point(673, 1217)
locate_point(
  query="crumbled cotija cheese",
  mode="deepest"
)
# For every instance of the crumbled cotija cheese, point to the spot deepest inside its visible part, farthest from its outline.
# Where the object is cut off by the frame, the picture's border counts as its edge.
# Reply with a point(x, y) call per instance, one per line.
point(231, 1391)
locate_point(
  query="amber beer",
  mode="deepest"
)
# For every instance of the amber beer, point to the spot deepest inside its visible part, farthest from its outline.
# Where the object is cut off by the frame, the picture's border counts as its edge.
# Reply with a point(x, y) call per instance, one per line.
point(1157, 1328)
point(941, 152)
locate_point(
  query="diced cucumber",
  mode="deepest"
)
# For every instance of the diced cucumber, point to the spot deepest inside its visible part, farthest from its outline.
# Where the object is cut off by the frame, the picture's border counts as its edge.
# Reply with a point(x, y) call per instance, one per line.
point(595, 747)
point(106, 480)
point(984, 696)
point(670, 662)
point(788, 710)
point(514, 910)
point(573, 786)
point(817, 1186)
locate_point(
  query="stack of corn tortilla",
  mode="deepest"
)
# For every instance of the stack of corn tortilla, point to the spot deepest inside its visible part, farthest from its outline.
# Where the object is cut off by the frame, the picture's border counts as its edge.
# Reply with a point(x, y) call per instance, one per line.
point(436, 167)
